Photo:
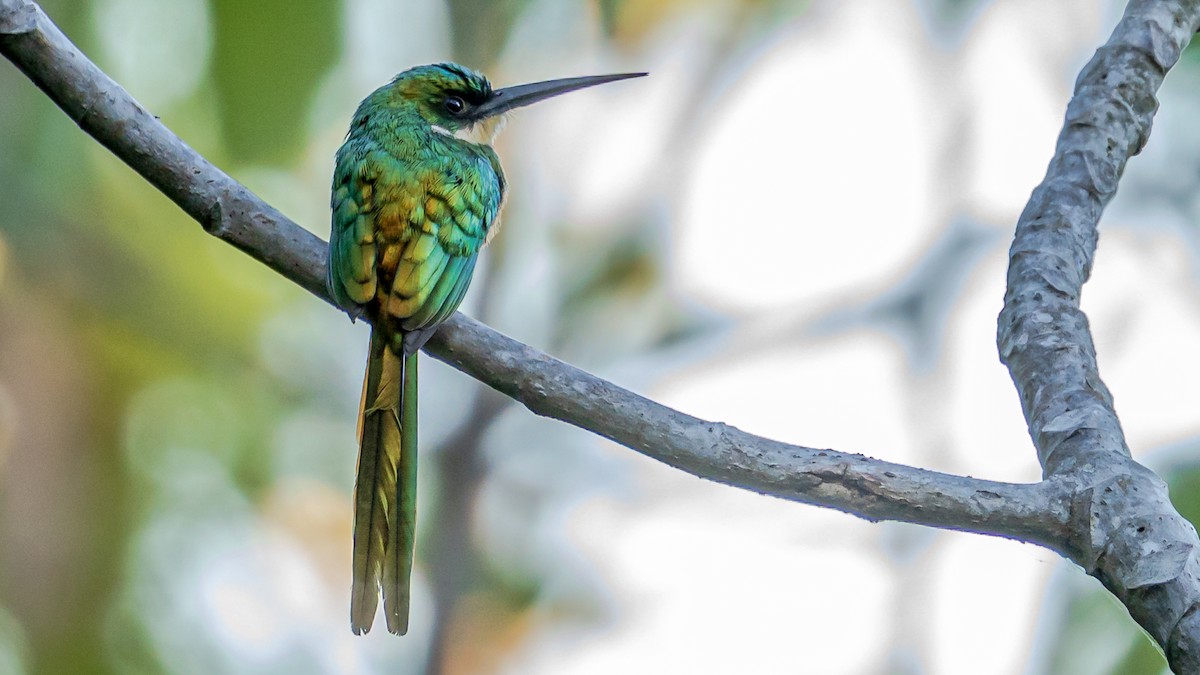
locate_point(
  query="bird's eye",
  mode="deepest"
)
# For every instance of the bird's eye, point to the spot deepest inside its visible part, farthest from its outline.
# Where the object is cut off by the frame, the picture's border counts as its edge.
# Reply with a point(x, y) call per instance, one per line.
point(455, 105)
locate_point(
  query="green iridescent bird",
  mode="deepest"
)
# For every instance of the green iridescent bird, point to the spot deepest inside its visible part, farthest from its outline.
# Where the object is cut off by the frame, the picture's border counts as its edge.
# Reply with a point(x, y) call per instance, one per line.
point(416, 194)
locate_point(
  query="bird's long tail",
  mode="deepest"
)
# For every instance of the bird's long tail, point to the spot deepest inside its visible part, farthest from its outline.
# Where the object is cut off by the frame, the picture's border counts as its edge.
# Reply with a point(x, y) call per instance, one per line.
point(398, 563)
point(385, 488)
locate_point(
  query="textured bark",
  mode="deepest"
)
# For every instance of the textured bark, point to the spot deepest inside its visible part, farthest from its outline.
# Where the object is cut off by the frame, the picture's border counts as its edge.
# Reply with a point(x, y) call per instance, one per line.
point(1096, 505)
point(1124, 530)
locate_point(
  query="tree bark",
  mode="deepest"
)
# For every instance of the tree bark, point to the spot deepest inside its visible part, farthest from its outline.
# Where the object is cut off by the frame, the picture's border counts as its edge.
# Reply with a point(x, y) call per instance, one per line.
point(1124, 530)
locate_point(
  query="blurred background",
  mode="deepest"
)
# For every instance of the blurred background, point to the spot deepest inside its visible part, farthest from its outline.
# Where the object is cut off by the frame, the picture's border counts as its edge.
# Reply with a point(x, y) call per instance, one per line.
point(797, 225)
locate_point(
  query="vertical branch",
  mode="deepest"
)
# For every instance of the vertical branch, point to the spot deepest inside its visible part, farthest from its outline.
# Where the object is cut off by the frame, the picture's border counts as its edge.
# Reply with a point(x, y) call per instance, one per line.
point(454, 563)
point(1127, 533)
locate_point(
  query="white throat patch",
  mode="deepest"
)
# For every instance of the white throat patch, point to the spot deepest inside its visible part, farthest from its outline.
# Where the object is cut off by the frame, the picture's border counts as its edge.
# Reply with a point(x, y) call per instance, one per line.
point(480, 133)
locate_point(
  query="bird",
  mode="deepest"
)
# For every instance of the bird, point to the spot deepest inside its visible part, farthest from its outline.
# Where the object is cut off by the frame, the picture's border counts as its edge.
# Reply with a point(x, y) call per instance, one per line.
point(417, 192)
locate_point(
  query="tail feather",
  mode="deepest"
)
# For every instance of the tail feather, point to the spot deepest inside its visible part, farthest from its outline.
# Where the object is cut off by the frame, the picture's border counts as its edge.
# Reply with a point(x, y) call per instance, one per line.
point(398, 562)
point(375, 485)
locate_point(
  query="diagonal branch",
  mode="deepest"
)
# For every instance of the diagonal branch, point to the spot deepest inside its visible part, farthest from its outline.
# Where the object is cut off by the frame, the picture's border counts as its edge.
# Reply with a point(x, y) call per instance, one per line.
point(1127, 533)
point(870, 488)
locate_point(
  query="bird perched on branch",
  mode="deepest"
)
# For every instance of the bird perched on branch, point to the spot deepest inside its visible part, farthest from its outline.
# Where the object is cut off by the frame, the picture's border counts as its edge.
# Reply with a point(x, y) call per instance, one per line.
point(417, 193)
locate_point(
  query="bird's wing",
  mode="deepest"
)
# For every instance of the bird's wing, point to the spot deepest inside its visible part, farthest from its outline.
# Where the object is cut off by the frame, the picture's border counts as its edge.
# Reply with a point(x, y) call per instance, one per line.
point(462, 201)
point(352, 241)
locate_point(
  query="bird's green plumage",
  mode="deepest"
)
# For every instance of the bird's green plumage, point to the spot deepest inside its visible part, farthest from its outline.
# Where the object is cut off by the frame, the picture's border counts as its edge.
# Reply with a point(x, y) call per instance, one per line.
point(417, 192)
point(375, 486)
point(412, 206)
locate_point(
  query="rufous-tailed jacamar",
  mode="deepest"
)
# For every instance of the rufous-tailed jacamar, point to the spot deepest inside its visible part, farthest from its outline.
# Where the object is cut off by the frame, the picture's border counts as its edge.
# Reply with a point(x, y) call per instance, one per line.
point(416, 194)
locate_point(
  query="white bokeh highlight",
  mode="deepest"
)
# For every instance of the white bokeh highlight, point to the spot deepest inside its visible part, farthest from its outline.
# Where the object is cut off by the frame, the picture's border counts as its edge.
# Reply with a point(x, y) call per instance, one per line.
point(820, 148)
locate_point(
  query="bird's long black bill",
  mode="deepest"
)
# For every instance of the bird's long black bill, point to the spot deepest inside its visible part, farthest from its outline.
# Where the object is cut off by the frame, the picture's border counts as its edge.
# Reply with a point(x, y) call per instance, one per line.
point(503, 100)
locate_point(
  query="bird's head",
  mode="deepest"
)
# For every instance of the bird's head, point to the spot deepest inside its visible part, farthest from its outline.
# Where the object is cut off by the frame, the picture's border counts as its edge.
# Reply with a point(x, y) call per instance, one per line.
point(461, 102)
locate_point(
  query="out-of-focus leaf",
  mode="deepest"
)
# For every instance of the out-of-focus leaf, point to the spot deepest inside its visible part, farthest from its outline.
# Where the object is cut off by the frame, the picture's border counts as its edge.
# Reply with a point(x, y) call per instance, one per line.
point(268, 58)
point(484, 631)
point(1191, 55)
point(479, 28)
point(1096, 634)
point(130, 649)
point(627, 264)
point(608, 15)
point(12, 646)
point(1143, 658)
point(952, 15)
point(614, 300)
point(1185, 492)
point(633, 22)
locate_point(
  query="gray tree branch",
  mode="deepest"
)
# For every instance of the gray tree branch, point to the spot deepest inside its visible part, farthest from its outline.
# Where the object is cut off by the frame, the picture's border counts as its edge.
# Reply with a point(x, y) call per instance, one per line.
point(1076, 511)
point(1124, 530)
point(869, 488)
